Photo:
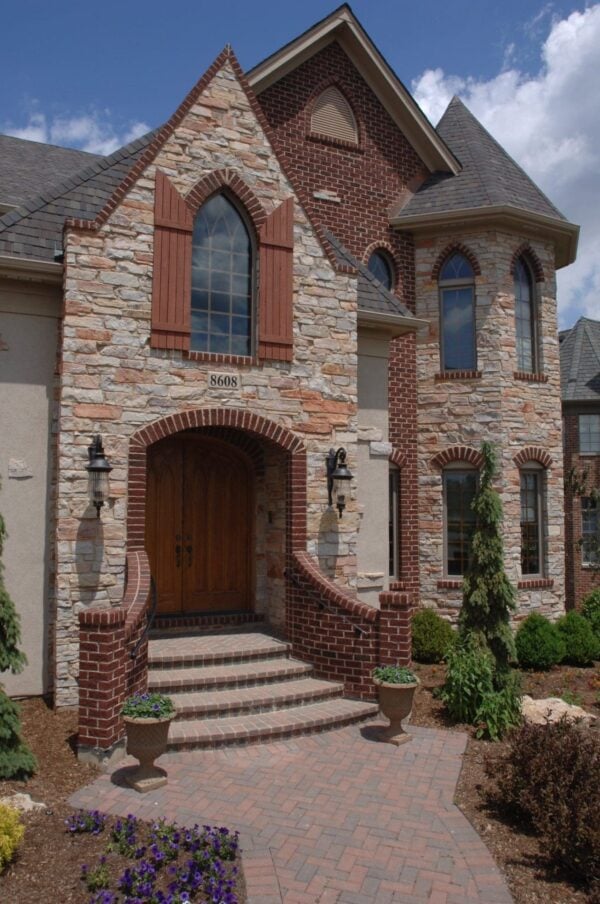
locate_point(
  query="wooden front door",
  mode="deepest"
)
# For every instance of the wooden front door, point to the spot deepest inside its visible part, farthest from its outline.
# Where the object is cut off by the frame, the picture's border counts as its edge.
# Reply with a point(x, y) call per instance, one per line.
point(199, 515)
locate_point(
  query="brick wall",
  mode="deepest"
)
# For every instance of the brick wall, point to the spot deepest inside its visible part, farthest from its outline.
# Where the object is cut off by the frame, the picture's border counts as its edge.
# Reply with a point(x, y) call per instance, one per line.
point(580, 579)
point(367, 180)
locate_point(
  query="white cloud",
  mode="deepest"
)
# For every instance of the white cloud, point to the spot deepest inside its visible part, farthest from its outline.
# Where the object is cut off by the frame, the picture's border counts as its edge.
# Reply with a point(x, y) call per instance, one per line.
point(550, 123)
point(92, 131)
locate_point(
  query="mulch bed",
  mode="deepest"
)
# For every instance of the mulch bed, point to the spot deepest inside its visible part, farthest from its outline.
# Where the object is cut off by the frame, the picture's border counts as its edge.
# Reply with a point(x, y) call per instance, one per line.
point(515, 848)
point(48, 866)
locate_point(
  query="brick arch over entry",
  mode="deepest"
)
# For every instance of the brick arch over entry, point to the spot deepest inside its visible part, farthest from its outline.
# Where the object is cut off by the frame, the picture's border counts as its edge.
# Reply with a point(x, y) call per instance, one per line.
point(232, 418)
point(227, 178)
point(458, 453)
point(533, 453)
point(525, 250)
point(455, 248)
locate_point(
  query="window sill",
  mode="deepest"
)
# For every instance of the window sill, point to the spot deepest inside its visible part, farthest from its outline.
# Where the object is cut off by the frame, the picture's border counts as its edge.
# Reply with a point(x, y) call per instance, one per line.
point(450, 584)
point(445, 375)
point(335, 142)
point(217, 358)
point(527, 377)
point(535, 584)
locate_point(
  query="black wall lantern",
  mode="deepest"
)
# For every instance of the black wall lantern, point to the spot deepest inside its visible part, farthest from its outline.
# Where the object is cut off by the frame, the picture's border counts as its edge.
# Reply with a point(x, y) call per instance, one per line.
point(98, 470)
point(337, 470)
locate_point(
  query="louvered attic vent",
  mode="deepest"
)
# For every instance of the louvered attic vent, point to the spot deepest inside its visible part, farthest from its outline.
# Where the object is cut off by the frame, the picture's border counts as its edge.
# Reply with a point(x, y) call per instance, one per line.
point(333, 117)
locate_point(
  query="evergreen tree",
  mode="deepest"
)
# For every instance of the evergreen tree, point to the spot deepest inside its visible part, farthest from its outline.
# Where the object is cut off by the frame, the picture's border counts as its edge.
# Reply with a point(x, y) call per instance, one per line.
point(488, 595)
point(16, 760)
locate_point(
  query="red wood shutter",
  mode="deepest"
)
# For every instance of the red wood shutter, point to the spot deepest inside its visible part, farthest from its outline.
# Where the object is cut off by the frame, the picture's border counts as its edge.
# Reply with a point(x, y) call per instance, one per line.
point(172, 277)
point(276, 295)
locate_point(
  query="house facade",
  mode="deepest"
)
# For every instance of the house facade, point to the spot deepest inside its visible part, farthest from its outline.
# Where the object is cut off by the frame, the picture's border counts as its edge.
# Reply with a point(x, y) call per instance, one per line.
point(580, 376)
point(296, 262)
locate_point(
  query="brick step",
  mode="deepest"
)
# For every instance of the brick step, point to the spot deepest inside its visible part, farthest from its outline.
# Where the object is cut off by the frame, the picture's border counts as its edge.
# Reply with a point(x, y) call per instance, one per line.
point(223, 647)
point(228, 702)
point(193, 734)
point(244, 674)
point(207, 622)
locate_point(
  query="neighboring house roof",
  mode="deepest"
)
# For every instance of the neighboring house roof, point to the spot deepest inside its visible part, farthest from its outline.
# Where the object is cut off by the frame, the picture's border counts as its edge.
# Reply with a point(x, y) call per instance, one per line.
point(372, 296)
point(490, 181)
point(343, 27)
point(34, 230)
point(30, 168)
point(580, 362)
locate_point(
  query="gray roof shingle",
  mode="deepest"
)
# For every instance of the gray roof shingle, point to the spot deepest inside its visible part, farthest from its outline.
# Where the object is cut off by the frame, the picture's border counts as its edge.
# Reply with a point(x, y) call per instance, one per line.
point(580, 362)
point(34, 230)
point(372, 295)
point(29, 168)
point(489, 176)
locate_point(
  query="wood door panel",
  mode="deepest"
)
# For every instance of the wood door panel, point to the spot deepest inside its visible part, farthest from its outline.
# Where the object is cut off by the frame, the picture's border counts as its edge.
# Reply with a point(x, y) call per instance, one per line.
point(217, 521)
point(163, 523)
point(199, 525)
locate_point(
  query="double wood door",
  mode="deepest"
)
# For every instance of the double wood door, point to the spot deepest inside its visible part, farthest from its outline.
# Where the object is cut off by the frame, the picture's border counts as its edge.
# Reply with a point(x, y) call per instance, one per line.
point(199, 516)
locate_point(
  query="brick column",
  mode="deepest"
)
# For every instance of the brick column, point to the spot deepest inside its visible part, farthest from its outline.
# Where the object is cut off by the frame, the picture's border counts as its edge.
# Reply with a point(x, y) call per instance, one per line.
point(395, 637)
point(102, 679)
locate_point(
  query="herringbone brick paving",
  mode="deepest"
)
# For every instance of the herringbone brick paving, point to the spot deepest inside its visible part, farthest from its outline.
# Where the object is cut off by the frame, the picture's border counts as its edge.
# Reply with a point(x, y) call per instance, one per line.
point(335, 818)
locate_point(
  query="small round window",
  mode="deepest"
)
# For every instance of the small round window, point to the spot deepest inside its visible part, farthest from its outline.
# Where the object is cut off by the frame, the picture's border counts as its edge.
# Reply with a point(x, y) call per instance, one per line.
point(382, 269)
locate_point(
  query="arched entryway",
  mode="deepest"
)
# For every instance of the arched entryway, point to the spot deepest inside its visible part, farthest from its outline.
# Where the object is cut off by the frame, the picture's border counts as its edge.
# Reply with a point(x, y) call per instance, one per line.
point(200, 518)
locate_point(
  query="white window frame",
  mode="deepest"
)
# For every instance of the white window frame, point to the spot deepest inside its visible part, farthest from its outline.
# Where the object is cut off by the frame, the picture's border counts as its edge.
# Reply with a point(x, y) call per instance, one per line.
point(394, 522)
point(590, 559)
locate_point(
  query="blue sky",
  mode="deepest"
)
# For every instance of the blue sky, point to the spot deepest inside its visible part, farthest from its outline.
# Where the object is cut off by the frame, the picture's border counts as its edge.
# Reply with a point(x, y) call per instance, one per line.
point(95, 75)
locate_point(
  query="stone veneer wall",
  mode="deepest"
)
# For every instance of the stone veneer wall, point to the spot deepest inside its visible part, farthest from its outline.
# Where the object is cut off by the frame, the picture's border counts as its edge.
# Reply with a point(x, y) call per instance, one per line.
point(514, 413)
point(114, 384)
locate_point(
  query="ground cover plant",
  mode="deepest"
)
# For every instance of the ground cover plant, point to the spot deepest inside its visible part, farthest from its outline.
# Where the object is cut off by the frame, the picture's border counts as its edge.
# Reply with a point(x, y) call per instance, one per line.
point(161, 863)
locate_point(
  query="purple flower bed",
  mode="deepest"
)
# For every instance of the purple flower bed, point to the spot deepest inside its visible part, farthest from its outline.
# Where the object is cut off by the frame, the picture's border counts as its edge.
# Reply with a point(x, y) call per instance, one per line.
point(161, 863)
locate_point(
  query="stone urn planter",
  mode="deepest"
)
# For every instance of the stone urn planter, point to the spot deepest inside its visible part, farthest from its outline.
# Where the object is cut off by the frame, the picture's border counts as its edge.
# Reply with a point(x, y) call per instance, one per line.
point(147, 718)
point(396, 687)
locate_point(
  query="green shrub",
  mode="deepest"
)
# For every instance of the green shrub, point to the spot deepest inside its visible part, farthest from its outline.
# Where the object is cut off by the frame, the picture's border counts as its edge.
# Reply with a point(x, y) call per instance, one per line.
point(11, 834)
point(432, 636)
point(471, 695)
point(16, 759)
point(539, 643)
point(551, 776)
point(582, 645)
point(590, 609)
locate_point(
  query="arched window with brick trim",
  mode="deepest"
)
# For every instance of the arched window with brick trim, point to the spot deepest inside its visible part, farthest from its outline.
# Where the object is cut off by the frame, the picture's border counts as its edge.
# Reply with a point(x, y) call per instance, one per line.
point(532, 519)
point(223, 260)
point(457, 314)
point(526, 326)
point(460, 482)
point(208, 249)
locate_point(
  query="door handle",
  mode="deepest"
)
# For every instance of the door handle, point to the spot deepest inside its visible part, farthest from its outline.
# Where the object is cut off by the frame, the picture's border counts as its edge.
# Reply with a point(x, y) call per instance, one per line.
point(188, 549)
point(178, 555)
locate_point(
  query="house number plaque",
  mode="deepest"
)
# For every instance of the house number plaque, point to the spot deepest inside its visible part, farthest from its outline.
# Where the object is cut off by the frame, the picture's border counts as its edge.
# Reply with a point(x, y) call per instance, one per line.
point(219, 380)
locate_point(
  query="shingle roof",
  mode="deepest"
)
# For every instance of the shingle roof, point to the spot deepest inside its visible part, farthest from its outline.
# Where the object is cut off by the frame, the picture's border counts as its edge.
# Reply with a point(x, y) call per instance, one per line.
point(34, 230)
point(489, 176)
point(29, 167)
point(580, 362)
point(372, 295)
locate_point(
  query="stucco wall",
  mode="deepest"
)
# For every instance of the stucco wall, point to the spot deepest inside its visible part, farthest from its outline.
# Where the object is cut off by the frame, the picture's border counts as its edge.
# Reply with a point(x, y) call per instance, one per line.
point(29, 317)
point(372, 470)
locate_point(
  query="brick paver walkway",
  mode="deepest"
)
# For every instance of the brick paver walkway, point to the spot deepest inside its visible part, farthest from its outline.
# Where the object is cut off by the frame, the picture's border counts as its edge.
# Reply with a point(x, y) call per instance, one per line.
point(334, 817)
